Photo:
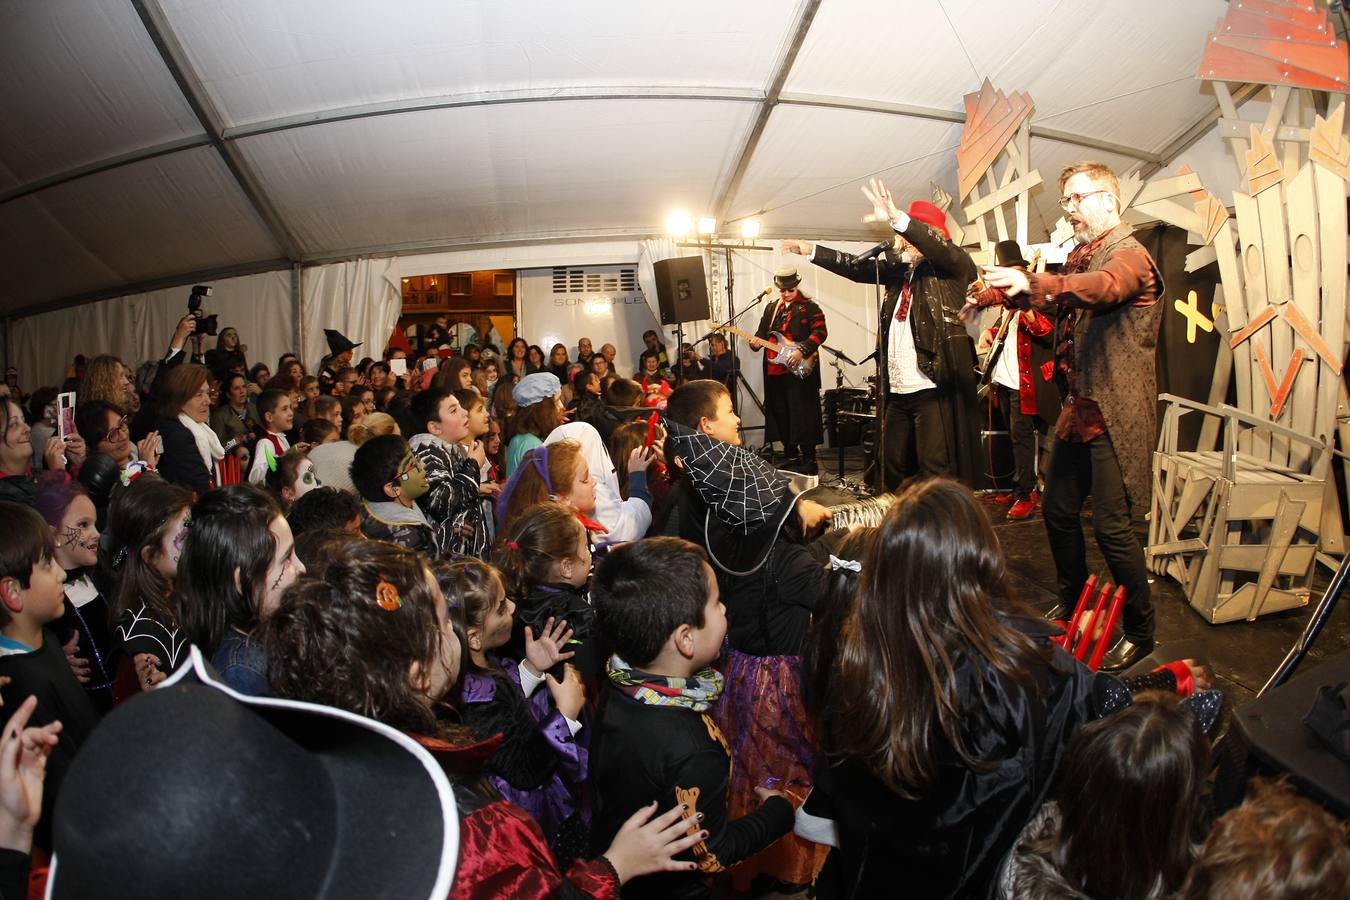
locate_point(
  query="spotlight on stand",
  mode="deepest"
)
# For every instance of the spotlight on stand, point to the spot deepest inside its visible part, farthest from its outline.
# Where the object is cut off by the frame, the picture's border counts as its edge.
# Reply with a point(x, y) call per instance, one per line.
point(750, 229)
point(707, 226)
point(679, 224)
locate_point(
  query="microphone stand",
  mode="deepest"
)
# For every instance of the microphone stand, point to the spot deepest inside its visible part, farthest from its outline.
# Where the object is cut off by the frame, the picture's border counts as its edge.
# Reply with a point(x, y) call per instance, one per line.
point(737, 377)
point(879, 355)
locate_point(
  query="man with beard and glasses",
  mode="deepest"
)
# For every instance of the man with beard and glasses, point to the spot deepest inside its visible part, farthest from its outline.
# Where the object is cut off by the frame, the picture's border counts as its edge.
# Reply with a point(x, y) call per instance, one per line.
point(1106, 336)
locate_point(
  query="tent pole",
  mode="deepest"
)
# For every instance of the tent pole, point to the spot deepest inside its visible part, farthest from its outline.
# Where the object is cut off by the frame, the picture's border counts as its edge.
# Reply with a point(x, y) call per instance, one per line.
point(298, 306)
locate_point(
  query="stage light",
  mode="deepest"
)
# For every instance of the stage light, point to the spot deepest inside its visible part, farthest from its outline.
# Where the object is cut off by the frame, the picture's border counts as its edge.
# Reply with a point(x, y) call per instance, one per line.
point(679, 224)
point(707, 225)
point(750, 229)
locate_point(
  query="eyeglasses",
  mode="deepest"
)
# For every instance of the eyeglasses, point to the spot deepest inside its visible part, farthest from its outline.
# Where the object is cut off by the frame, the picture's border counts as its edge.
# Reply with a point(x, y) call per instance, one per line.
point(119, 428)
point(405, 474)
point(1073, 200)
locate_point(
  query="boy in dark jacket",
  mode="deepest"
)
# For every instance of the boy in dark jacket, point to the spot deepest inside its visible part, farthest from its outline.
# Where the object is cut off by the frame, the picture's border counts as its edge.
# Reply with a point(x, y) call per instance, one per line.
point(389, 477)
point(32, 596)
point(658, 607)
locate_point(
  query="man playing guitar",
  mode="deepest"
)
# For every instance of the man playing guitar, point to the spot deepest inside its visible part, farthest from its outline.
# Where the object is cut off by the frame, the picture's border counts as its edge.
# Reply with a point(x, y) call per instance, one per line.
point(791, 401)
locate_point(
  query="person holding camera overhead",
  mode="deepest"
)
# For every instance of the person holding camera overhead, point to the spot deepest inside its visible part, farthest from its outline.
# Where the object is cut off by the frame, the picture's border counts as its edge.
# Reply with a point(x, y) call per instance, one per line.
point(144, 420)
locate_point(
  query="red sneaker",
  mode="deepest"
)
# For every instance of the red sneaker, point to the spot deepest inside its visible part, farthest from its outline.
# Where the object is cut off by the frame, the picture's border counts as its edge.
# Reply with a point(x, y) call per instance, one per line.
point(1023, 509)
point(1003, 498)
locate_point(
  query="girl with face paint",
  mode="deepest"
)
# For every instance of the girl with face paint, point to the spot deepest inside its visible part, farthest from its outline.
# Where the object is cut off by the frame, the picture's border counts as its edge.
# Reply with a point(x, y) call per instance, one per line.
point(83, 627)
point(291, 477)
point(148, 524)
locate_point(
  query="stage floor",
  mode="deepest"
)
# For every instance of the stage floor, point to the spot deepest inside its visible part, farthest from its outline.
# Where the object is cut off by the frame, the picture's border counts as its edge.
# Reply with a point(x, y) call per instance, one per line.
point(1241, 654)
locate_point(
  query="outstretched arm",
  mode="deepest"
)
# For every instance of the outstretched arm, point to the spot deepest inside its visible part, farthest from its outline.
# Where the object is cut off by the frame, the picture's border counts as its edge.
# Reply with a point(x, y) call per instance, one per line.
point(948, 259)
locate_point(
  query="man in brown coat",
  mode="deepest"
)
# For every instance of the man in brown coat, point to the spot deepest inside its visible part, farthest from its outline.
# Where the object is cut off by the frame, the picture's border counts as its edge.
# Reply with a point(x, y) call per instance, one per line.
point(1107, 309)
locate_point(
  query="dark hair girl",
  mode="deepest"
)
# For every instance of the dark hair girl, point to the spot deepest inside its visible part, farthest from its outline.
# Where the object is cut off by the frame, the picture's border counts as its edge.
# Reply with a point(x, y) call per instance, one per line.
point(238, 558)
point(958, 706)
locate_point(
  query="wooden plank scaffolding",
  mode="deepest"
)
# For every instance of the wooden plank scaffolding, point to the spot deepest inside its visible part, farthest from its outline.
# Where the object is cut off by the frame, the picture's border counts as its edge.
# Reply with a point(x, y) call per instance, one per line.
point(1240, 526)
point(998, 128)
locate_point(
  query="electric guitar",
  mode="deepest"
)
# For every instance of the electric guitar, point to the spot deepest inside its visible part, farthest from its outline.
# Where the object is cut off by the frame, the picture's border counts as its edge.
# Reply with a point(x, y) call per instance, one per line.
point(779, 343)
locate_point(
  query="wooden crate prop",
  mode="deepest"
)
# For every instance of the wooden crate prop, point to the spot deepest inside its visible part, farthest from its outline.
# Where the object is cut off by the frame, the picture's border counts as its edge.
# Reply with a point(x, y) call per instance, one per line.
point(1239, 533)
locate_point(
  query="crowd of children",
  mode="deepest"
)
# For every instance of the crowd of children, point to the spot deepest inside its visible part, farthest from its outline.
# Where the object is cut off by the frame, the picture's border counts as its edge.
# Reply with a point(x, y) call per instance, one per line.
point(510, 626)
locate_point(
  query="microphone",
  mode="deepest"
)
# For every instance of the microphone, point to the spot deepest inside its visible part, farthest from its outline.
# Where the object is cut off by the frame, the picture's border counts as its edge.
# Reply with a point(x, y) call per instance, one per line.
point(764, 293)
point(875, 251)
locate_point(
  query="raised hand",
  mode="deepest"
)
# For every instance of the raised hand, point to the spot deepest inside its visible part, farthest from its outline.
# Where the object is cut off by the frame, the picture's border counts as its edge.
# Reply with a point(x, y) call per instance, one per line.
point(147, 448)
point(75, 449)
point(569, 695)
point(546, 651)
point(640, 459)
point(54, 455)
point(477, 453)
point(186, 326)
point(645, 845)
point(883, 207)
point(23, 766)
point(799, 248)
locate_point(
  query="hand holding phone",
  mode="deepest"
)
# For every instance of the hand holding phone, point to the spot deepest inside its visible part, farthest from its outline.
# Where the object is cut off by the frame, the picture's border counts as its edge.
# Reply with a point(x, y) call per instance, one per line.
point(65, 414)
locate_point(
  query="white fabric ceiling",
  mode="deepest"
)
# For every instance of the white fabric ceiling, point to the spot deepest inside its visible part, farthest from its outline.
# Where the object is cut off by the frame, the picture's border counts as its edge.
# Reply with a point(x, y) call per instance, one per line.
point(148, 141)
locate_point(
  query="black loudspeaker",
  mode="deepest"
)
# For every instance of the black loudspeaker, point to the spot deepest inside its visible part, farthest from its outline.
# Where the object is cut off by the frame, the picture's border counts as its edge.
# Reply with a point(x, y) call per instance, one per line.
point(681, 290)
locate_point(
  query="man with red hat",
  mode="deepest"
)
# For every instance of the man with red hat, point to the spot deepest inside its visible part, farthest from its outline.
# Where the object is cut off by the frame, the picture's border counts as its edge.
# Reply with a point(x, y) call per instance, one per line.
point(927, 373)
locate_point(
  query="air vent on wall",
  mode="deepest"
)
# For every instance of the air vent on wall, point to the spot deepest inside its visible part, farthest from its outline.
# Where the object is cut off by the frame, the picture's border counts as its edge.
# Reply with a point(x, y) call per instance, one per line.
point(594, 281)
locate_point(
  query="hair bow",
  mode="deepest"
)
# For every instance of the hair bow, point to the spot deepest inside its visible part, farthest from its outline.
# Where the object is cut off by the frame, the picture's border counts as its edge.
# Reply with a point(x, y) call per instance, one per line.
point(851, 565)
point(134, 470)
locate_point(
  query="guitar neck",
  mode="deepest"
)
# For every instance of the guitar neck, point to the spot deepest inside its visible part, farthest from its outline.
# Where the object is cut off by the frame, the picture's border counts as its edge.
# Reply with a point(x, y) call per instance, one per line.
point(741, 332)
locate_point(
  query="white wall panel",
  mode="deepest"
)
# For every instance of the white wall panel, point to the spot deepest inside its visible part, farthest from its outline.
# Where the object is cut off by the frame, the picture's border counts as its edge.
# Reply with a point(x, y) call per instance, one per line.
point(138, 327)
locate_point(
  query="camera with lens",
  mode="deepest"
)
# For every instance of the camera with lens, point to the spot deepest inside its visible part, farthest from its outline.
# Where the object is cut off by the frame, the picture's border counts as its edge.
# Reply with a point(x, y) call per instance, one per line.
point(205, 324)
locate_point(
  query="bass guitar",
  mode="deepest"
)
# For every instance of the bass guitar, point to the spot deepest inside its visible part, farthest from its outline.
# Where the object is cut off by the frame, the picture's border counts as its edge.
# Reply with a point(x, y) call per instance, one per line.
point(779, 343)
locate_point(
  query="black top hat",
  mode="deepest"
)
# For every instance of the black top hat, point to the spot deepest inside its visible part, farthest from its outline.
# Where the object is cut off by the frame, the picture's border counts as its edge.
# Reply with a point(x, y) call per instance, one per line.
point(786, 279)
point(338, 342)
point(1009, 253)
point(193, 790)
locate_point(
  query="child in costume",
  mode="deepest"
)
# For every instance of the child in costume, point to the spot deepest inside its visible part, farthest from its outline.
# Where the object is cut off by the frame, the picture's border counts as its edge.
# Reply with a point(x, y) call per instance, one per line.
point(83, 627)
point(657, 605)
point(545, 562)
point(771, 583)
point(390, 477)
point(32, 588)
point(541, 765)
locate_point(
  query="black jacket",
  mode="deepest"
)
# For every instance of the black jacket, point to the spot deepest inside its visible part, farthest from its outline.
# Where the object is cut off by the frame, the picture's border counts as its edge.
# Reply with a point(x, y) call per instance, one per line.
point(45, 674)
point(945, 351)
point(670, 754)
point(181, 463)
point(559, 602)
point(950, 841)
point(769, 612)
point(939, 293)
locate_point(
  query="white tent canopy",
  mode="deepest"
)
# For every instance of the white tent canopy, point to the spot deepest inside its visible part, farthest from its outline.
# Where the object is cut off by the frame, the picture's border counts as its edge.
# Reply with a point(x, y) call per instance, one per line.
point(150, 141)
